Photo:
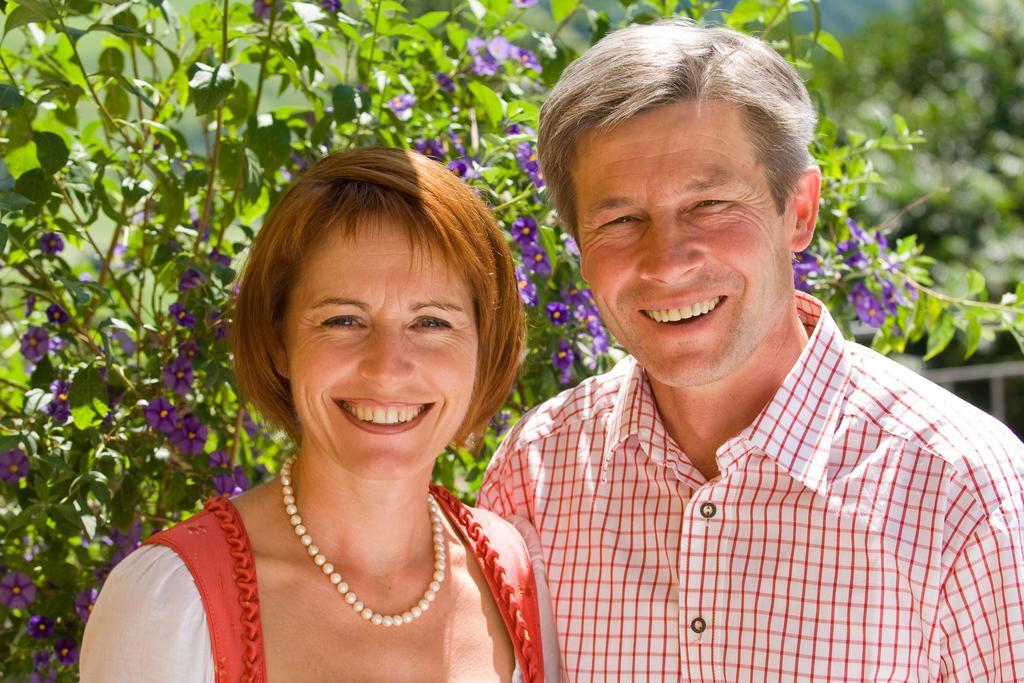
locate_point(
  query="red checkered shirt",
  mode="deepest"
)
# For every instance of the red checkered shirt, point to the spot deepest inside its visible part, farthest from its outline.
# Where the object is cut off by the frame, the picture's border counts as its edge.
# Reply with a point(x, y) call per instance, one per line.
point(867, 526)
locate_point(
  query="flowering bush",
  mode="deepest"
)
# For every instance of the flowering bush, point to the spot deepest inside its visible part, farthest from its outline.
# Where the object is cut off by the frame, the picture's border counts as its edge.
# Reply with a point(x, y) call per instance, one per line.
point(143, 147)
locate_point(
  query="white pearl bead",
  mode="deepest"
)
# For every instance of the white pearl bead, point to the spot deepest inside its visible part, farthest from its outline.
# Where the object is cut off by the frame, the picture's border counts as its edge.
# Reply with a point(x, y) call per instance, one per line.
point(287, 490)
point(342, 586)
point(436, 527)
point(286, 477)
point(289, 500)
point(296, 519)
point(300, 530)
point(407, 617)
point(319, 560)
point(387, 621)
point(434, 586)
point(328, 569)
point(440, 565)
point(306, 539)
point(423, 605)
point(367, 613)
point(291, 509)
point(336, 580)
point(429, 595)
point(358, 606)
point(350, 598)
point(313, 550)
point(438, 576)
point(416, 612)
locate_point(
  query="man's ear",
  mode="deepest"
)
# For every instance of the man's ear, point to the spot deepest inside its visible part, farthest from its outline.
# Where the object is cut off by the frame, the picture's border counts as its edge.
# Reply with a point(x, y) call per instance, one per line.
point(804, 204)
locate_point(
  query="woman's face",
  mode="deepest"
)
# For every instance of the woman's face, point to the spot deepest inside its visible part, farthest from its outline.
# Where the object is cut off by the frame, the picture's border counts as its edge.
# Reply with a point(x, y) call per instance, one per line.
point(380, 350)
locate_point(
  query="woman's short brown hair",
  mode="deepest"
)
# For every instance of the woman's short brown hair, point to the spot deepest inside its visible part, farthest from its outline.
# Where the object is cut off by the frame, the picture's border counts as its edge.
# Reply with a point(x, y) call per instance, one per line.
point(441, 213)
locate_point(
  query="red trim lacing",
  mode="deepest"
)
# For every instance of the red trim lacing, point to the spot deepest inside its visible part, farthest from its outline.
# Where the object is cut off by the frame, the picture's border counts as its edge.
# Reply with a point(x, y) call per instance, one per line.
point(245, 578)
point(506, 591)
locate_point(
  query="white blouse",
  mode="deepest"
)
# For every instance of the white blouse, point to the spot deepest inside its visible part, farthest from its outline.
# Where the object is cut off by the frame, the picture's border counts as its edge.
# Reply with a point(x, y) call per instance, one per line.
point(149, 624)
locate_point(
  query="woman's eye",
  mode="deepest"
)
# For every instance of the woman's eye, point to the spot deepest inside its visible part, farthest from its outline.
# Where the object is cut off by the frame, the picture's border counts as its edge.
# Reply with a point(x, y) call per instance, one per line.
point(340, 321)
point(434, 323)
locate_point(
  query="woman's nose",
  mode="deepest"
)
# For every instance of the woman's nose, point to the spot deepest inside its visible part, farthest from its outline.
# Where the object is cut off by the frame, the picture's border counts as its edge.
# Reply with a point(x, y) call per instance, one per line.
point(385, 357)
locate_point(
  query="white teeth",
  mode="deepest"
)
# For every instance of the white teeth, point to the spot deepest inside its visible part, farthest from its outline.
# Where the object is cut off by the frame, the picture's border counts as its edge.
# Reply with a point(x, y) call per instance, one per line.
point(671, 315)
point(384, 416)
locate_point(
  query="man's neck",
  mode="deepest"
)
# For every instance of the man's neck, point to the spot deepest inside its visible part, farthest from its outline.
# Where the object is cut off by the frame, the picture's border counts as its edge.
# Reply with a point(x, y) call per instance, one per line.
point(700, 419)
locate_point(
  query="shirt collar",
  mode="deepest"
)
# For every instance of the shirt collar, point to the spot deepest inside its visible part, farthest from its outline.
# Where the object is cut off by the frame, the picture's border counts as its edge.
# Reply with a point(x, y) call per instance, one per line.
point(635, 414)
point(796, 428)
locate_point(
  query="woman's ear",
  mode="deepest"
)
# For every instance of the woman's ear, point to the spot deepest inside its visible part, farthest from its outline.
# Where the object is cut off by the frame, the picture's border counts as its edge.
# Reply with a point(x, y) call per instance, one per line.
point(278, 353)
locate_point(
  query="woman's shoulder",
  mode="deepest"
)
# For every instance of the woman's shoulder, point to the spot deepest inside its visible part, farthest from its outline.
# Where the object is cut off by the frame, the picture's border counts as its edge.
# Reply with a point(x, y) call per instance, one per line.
point(148, 621)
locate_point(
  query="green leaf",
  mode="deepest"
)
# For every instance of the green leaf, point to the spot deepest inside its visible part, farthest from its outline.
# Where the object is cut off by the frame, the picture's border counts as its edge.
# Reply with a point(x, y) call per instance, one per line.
point(34, 184)
point(8, 442)
point(343, 98)
point(28, 13)
point(831, 45)
point(42, 375)
point(11, 201)
point(81, 295)
point(429, 20)
point(973, 336)
point(210, 86)
point(88, 397)
point(3, 238)
point(745, 12)
point(50, 150)
point(975, 283)
point(940, 336)
point(253, 176)
point(10, 98)
point(560, 9)
point(485, 97)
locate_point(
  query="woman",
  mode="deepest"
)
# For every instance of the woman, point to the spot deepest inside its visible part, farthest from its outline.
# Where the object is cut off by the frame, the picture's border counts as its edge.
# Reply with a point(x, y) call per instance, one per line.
point(378, 320)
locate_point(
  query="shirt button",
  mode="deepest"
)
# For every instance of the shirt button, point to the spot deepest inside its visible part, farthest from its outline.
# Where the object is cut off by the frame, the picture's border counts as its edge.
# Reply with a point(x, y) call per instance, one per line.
point(708, 510)
point(698, 625)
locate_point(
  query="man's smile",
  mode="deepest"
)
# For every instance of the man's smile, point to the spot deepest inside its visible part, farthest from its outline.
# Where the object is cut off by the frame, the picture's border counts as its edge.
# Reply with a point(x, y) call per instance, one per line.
point(671, 315)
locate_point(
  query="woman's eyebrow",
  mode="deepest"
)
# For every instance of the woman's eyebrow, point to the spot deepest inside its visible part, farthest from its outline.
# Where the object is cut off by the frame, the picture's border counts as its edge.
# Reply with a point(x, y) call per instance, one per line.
point(339, 301)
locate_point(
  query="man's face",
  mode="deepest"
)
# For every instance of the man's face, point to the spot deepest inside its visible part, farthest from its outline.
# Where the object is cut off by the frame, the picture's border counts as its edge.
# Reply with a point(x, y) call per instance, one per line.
point(682, 244)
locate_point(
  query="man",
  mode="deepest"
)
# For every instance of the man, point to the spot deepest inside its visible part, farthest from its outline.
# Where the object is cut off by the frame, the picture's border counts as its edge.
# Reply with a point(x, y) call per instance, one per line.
point(747, 496)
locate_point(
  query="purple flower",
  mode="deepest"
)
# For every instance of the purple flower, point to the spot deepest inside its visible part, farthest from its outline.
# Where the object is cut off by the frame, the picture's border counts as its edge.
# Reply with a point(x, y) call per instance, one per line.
point(66, 650)
point(445, 82)
point(188, 349)
point(500, 48)
point(430, 147)
point(571, 248)
point(248, 425)
point(161, 415)
point(524, 230)
point(588, 315)
point(51, 243)
point(854, 257)
point(858, 233)
point(13, 465)
point(222, 259)
point(125, 542)
point(56, 315)
point(574, 296)
point(400, 104)
point(558, 313)
point(17, 590)
point(527, 158)
point(231, 483)
point(484, 63)
point(178, 375)
point(84, 602)
point(528, 59)
point(190, 279)
point(125, 341)
point(189, 435)
point(600, 341)
point(59, 408)
point(892, 297)
point(536, 259)
point(501, 421)
point(562, 359)
point(260, 10)
point(805, 264)
point(463, 167)
point(39, 626)
point(219, 458)
point(527, 289)
point(331, 5)
point(181, 315)
point(525, 3)
point(35, 343)
point(869, 309)
point(30, 304)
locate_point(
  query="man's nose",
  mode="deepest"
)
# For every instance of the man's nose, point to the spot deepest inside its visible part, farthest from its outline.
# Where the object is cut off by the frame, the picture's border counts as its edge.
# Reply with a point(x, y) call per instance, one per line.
point(386, 358)
point(670, 250)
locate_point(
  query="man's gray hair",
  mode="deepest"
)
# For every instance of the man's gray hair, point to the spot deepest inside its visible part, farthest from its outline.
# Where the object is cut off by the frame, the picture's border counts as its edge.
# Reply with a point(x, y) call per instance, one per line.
point(640, 68)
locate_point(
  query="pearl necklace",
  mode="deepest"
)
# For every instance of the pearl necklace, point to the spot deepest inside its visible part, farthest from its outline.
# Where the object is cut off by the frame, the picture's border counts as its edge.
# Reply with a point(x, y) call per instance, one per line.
point(376, 618)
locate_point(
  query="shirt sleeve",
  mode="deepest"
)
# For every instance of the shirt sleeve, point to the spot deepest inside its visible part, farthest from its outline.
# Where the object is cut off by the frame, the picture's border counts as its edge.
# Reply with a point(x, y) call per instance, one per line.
point(553, 669)
point(148, 624)
point(496, 492)
point(982, 602)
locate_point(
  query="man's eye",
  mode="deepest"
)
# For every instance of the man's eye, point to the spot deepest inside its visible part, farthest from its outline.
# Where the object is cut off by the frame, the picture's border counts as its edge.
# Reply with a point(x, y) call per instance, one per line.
point(709, 202)
point(340, 321)
point(621, 220)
